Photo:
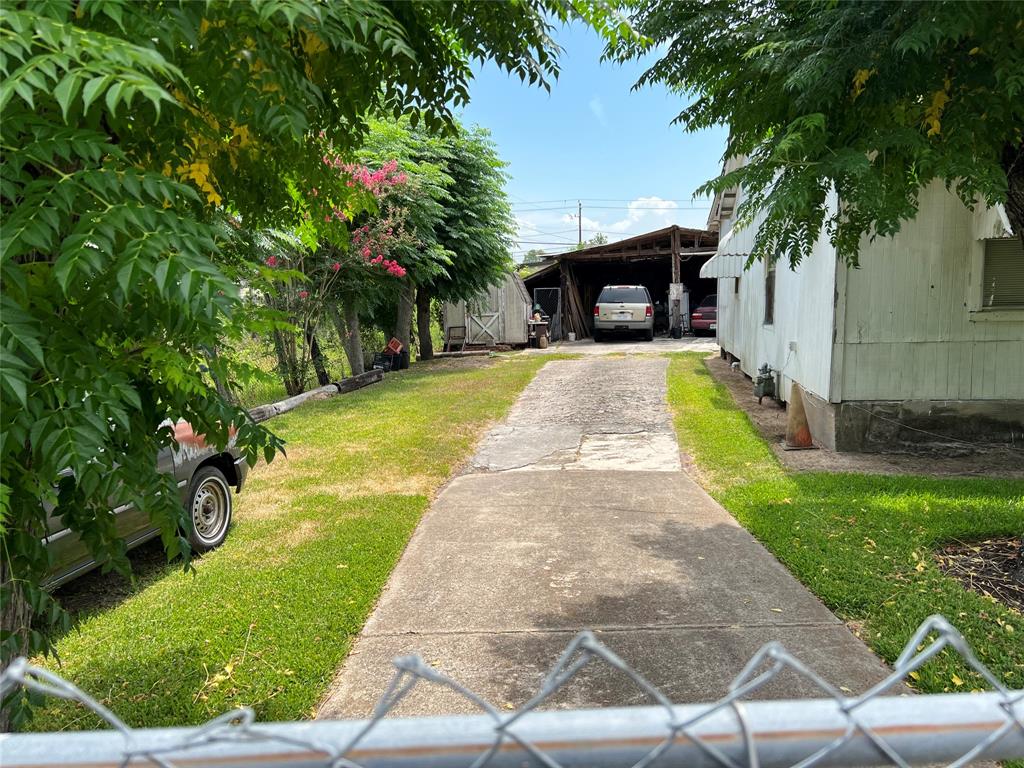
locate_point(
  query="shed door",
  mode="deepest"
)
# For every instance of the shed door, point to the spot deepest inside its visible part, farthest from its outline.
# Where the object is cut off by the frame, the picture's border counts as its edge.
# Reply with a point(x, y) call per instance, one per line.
point(483, 319)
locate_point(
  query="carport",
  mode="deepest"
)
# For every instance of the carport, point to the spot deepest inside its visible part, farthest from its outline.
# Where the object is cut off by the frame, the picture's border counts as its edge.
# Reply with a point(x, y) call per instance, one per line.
point(655, 260)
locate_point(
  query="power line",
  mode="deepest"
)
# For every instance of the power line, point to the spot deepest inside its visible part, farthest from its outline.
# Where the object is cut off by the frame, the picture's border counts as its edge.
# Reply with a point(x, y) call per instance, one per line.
point(556, 208)
point(649, 207)
point(568, 200)
point(538, 233)
point(622, 208)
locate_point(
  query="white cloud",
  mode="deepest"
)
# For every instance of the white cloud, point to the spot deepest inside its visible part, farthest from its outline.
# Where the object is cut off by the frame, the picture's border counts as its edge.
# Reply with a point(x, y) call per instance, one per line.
point(646, 213)
point(597, 109)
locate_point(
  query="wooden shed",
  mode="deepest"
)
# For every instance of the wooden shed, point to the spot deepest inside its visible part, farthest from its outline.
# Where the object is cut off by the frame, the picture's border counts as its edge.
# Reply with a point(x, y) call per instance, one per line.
point(497, 316)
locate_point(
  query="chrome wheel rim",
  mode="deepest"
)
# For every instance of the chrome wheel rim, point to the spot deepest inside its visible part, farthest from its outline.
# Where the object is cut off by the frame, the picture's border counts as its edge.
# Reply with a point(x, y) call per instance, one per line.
point(210, 510)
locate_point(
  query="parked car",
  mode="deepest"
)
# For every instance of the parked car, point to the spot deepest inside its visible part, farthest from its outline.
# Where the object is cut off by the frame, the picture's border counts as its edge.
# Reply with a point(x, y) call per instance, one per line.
point(705, 317)
point(624, 309)
point(204, 478)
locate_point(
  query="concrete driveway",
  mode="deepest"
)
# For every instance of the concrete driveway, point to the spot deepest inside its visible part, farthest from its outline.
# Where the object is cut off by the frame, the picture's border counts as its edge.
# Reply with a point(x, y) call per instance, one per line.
point(630, 345)
point(574, 514)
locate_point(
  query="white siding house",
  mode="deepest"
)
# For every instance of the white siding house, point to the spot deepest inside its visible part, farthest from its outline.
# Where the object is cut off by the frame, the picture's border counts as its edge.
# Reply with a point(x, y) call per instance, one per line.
point(924, 342)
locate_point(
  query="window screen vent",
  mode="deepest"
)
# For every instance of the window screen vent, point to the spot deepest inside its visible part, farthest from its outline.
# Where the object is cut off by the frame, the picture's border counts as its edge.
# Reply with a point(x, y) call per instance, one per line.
point(1003, 281)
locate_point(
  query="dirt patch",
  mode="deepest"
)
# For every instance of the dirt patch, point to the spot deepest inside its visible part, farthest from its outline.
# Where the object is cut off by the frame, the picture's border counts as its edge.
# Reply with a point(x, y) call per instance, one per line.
point(98, 591)
point(986, 567)
point(277, 549)
point(384, 482)
point(456, 363)
point(770, 419)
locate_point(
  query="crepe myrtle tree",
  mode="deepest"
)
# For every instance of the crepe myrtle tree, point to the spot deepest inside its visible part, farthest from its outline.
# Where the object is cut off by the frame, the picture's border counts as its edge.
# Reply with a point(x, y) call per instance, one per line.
point(323, 279)
point(371, 276)
point(131, 128)
point(325, 256)
point(422, 155)
point(873, 100)
point(456, 214)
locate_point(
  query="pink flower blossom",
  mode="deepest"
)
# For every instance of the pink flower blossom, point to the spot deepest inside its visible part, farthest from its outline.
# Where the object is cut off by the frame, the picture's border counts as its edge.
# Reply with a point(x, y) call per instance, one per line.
point(303, 294)
point(336, 266)
point(271, 261)
point(366, 252)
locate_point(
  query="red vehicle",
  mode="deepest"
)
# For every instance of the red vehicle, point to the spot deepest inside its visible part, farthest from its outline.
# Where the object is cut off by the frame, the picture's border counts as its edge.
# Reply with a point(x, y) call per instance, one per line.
point(704, 319)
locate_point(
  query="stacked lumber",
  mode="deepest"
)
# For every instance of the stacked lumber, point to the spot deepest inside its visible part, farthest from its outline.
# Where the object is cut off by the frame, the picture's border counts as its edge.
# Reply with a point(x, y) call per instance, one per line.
point(576, 318)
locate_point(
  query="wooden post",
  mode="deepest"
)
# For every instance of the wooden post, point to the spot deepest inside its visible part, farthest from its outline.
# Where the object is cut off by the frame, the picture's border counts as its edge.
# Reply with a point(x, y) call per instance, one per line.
point(563, 284)
point(675, 256)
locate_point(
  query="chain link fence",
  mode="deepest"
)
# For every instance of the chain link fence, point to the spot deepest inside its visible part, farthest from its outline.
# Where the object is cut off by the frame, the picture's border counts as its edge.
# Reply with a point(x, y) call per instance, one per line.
point(836, 729)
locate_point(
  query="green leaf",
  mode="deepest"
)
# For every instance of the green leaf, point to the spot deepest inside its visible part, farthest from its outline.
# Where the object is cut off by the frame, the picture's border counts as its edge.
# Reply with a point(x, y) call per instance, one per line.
point(160, 274)
point(92, 90)
point(113, 97)
point(16, 383)
point(66, 91)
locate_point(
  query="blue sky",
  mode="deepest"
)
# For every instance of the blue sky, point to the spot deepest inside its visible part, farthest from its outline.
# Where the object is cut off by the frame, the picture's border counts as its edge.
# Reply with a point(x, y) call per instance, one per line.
point(593, 138)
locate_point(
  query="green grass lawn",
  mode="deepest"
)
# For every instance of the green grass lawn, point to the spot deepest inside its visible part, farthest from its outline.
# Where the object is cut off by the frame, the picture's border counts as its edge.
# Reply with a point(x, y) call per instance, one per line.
point(265, 620)
point(863, 543)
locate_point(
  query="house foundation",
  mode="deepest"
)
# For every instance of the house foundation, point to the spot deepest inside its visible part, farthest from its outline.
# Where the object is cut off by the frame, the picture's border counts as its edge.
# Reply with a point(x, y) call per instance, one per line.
point(949, 427)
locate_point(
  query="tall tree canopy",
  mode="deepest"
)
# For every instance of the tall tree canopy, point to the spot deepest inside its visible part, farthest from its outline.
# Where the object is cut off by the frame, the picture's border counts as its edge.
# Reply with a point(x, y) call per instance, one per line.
point(477, 226)
point(132, 132)
point(871, 99)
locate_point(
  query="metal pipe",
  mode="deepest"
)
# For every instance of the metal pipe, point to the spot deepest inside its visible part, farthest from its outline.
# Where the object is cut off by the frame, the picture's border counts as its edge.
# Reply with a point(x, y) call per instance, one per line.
point(926, 729)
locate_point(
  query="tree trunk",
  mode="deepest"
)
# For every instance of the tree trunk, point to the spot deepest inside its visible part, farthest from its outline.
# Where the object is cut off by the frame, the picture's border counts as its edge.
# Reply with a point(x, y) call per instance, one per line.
point(287, 365)
point(423, 323)
point(218, 383)
point(403, 316)
point(1013, 165)
point(16, 616)
point(348, 333)
point(319, 365)
point(339, 327)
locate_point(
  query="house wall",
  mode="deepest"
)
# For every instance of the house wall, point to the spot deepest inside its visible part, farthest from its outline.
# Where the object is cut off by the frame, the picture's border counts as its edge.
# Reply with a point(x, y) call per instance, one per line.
point(799, 342)
point(910, 324)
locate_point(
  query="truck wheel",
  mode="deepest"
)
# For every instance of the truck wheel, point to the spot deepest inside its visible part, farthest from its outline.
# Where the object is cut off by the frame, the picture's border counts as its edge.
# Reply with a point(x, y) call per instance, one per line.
point(209, 509)
point(598, 337)
point(650, 335)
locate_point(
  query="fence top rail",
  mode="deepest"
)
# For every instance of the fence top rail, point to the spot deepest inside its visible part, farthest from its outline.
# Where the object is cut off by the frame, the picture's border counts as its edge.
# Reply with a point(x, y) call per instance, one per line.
point(835, 730)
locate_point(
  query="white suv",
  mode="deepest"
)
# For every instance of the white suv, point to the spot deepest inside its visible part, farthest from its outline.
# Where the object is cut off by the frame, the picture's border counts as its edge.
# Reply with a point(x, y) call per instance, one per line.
point(624, 309)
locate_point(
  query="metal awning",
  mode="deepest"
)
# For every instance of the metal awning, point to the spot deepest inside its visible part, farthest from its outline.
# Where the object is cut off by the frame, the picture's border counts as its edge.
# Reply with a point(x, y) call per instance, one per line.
point(724, 265)
point(731, 257)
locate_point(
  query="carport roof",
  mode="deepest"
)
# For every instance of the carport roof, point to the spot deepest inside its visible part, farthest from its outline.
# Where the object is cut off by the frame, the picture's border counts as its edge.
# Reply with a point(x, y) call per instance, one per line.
point(650, 245)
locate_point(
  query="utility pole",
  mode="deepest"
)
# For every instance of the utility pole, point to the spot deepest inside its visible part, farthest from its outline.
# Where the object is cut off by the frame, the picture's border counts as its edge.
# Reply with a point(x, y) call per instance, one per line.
point(579, 218)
